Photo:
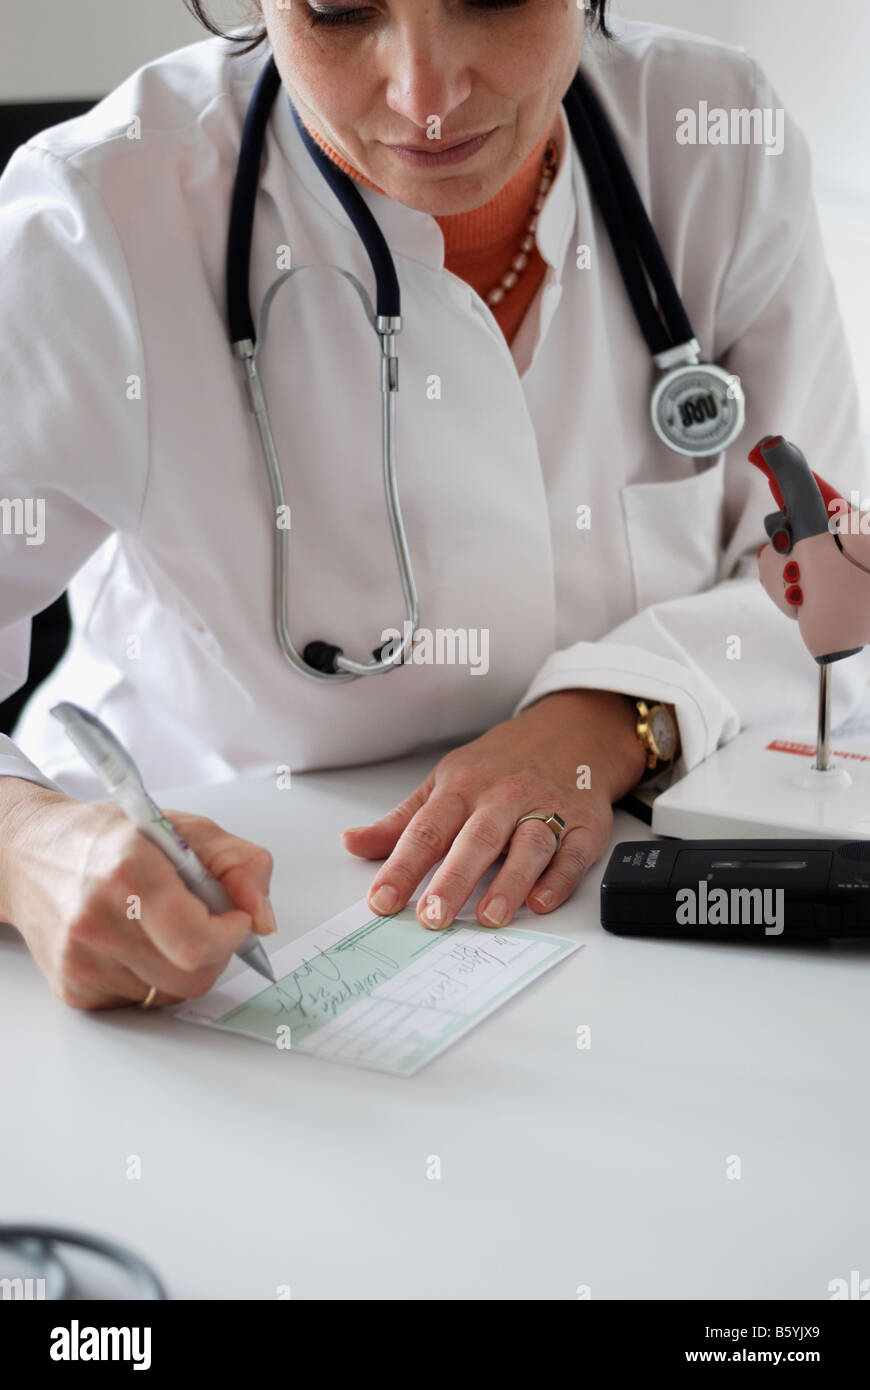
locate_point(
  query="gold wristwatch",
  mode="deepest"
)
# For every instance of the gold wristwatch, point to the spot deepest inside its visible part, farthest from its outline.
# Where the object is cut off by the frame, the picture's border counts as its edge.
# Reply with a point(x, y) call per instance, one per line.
point(658, 732)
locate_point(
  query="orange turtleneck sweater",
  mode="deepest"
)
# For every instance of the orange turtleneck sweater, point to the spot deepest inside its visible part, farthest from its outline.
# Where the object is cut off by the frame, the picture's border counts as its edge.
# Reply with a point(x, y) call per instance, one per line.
point(480, 245)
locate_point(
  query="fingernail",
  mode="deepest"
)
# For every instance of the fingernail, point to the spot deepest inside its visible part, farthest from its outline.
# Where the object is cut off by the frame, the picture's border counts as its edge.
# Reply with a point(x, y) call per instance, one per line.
point(385, 899)
point(352, 830)
point(496, 911)
point(545, 897)
point(434, 911)
point(267, 922)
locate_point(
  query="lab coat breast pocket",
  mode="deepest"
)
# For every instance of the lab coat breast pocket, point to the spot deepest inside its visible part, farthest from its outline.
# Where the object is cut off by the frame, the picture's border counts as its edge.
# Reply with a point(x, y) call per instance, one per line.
point(675, 533)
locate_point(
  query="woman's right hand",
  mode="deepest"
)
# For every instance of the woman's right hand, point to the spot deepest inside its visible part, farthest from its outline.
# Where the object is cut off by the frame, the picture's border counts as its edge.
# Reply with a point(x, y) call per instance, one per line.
point(104, 913)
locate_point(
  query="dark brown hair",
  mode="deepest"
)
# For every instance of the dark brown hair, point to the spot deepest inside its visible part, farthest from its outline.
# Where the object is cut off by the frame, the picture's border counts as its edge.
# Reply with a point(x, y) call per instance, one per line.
point(595, 9)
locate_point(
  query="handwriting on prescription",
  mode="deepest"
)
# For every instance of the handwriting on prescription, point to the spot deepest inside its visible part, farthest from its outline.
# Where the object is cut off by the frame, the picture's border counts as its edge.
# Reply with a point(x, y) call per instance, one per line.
point(458, 970)
point(324, 985)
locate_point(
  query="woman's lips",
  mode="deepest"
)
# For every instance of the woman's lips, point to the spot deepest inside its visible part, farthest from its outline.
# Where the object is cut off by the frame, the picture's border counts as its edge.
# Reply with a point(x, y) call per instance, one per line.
point(429, 158)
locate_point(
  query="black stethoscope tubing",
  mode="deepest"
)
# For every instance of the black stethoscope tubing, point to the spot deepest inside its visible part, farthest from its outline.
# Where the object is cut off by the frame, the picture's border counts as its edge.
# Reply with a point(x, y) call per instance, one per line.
point(634, 241)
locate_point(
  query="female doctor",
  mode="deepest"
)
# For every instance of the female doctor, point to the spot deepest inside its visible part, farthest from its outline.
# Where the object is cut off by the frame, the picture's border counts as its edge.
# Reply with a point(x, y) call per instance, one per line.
point(568, 561)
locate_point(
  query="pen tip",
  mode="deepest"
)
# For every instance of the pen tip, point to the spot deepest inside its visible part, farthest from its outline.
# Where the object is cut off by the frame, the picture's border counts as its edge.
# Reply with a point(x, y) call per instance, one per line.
point(259, 961)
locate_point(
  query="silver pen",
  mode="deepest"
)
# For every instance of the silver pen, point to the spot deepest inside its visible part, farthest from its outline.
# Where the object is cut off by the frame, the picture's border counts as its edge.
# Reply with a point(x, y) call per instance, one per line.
point(123, 781)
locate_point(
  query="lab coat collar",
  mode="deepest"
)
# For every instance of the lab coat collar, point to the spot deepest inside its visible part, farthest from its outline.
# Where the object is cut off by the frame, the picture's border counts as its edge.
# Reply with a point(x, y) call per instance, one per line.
point(410, 233)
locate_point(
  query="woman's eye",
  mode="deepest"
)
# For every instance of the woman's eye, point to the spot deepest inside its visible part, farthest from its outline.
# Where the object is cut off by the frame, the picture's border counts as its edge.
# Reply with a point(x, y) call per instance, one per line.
point(332, 15)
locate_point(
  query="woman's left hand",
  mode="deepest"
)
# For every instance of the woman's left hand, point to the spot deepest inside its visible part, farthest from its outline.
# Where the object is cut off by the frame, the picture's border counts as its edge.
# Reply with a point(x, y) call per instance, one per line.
point(468, 807)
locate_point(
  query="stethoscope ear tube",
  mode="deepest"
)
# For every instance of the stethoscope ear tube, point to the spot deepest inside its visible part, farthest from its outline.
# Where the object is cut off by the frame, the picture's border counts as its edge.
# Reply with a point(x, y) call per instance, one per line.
point(241, 229)
point(621, 207)
point(240, 236)
point(320, 660)
point(386, 280)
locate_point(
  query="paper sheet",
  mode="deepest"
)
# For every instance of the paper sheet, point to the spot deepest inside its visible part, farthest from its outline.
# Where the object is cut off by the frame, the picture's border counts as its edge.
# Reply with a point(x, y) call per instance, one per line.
point(379, 992)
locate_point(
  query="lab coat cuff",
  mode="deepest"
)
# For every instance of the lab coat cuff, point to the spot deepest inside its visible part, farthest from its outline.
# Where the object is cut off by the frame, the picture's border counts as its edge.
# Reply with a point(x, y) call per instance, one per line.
point(705, 717)
point(14, 763)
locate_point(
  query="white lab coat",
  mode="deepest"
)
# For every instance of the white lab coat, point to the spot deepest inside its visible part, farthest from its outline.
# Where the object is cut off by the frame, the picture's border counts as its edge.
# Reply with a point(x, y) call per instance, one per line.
point(124, 410)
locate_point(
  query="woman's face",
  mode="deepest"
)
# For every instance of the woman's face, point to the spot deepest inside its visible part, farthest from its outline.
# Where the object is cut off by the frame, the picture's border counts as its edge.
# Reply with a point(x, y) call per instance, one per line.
point(391, 71)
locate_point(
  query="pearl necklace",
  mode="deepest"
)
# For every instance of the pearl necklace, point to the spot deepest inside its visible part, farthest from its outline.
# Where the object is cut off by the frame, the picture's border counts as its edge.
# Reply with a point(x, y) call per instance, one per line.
point(521, 259)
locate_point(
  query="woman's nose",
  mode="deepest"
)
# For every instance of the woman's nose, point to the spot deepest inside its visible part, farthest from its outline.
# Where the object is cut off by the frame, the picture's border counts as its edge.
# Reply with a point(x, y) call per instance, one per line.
point(425, 77)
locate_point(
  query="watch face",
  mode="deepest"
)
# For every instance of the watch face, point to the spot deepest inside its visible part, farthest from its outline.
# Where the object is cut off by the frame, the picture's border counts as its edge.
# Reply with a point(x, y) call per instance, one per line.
point(662, 729)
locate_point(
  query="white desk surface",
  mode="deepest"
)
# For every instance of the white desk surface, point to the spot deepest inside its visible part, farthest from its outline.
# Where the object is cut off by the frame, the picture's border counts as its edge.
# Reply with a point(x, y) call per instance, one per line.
point(560, 1167)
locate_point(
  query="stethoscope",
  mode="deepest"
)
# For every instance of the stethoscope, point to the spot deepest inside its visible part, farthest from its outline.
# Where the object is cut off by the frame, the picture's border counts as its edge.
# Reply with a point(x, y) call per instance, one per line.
point(697, 408)
point(42, 1274)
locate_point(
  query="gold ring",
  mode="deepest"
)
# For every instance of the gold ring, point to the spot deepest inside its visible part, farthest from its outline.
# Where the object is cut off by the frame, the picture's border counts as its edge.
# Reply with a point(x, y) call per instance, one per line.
point(149, 998)
point(554, 821)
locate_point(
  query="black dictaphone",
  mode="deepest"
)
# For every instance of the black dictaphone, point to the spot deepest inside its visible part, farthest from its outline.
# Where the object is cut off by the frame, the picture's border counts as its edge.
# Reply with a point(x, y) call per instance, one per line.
point(738, 889)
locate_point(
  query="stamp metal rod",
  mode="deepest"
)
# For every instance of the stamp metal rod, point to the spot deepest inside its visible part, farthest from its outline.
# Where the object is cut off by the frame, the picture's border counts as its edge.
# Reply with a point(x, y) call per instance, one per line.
point(823, 744)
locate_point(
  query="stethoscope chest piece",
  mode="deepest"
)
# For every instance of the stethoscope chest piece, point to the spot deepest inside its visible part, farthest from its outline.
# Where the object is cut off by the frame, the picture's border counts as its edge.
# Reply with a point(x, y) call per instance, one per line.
point(698, 408)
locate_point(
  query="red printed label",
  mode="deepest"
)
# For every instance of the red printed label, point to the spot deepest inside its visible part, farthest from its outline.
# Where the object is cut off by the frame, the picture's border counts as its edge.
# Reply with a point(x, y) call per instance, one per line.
point(808, 750)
